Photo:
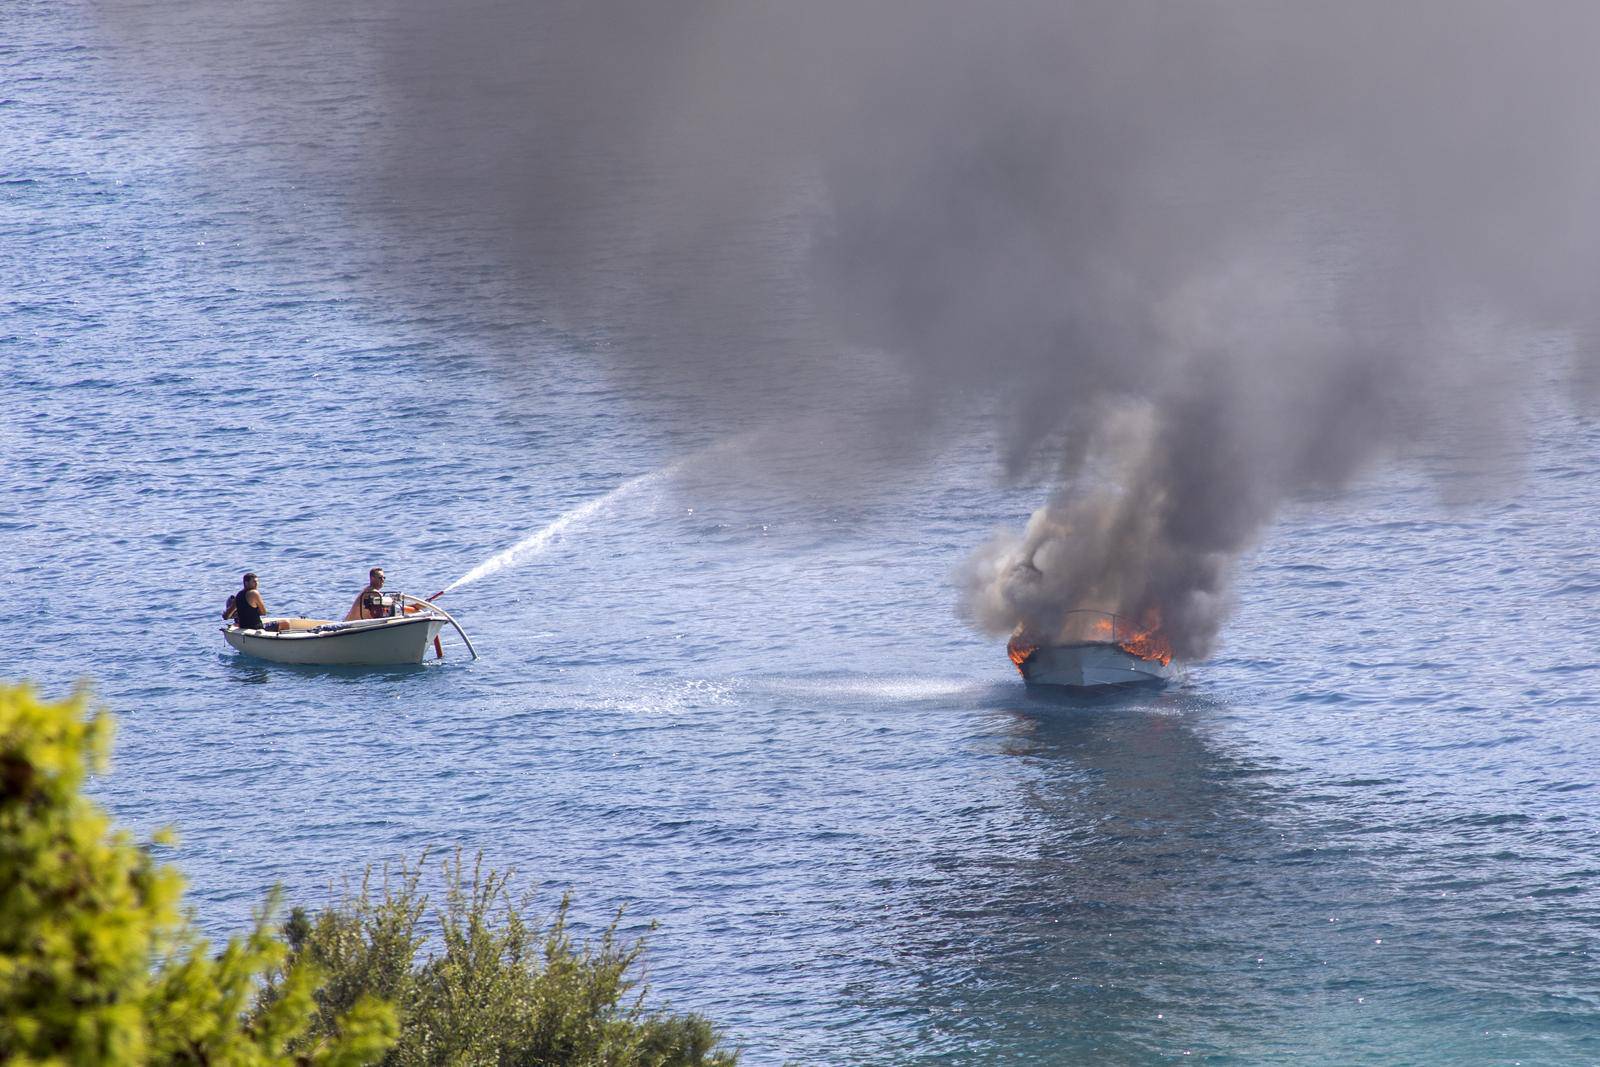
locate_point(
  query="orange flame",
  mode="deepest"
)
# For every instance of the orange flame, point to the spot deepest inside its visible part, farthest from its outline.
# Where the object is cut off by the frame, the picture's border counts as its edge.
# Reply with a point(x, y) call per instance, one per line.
point(1020, 649)
point(1146, 641)
point(1149, 643)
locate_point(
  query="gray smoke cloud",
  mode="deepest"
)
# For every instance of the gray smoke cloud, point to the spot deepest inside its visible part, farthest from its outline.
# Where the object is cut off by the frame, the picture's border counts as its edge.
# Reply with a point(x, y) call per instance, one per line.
point(1193, 259)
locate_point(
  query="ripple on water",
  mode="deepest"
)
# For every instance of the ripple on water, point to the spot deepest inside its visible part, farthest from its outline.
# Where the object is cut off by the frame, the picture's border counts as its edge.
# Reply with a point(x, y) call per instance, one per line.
point(1362, 833)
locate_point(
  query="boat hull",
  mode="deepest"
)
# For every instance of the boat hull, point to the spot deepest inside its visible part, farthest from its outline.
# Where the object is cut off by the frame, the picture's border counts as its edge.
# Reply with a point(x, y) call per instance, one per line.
point(373, 642)
point(1092, 665)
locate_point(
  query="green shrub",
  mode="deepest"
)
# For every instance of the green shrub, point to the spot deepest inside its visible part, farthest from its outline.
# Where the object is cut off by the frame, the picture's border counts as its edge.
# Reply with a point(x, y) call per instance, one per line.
point(101, 967)
point(488, 986)
point(98, 964)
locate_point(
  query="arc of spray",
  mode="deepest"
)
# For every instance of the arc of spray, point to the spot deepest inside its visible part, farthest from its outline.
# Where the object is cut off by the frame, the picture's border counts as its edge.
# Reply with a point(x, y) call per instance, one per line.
point(538, 541)
point(541, 539)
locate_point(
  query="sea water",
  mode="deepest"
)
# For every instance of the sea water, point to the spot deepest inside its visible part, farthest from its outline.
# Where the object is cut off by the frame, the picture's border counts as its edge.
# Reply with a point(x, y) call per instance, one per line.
point(541, 540)
point(1364, 832)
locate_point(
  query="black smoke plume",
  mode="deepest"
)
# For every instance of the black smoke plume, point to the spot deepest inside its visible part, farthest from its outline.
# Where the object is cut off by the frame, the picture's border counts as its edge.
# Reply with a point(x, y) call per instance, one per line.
point(1195, 258)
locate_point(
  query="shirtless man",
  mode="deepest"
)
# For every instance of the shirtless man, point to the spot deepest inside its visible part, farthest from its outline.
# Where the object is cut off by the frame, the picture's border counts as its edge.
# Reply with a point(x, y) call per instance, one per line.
point(245, 606)
point(366, 606)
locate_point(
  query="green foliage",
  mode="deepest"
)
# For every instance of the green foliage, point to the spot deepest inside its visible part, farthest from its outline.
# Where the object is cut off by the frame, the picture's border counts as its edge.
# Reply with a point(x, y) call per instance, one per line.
point(98, 964)
point(492, 986)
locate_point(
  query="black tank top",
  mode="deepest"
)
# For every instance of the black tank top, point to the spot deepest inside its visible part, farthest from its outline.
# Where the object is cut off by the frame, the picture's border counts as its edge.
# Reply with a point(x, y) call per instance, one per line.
point(244, 614)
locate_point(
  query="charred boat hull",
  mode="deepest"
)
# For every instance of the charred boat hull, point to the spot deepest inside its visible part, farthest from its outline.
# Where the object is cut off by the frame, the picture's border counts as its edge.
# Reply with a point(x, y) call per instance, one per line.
point(1092, 665)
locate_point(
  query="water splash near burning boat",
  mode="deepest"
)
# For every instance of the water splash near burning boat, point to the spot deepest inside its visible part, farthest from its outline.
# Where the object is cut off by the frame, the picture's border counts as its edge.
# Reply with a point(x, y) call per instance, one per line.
point(1092, 650)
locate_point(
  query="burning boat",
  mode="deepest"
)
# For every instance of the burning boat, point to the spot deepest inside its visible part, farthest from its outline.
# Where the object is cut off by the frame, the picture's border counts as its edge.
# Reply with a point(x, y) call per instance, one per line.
point(1093, 650)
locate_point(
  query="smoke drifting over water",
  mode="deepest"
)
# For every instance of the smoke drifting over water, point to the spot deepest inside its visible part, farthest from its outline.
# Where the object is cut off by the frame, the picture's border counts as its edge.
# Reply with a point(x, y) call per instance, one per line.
point(1192, 258)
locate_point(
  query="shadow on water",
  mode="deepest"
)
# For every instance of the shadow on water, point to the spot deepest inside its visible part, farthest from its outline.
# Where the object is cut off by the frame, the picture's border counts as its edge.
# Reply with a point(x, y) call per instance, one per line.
point(1136, 889)
point(1043, 699)
point(1105, 902)
point(251, 671)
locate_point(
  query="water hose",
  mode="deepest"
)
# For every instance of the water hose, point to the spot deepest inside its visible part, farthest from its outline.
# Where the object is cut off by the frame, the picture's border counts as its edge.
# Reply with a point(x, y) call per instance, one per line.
point(448, 618)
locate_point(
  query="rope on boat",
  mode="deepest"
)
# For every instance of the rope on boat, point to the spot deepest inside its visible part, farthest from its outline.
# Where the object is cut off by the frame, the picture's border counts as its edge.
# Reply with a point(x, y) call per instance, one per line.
point(448, 617)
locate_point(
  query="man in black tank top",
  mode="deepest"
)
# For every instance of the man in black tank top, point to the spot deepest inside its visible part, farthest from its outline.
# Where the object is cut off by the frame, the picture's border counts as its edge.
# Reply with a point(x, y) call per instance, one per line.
point(245, 607)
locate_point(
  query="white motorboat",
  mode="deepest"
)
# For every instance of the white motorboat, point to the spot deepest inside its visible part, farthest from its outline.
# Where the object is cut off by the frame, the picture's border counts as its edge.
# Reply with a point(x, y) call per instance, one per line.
point(1093, 650)
point(401, 638)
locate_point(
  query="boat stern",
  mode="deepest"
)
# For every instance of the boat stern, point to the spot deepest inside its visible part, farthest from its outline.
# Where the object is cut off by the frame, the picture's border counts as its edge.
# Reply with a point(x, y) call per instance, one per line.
point(1093, 665)
point(1093, 650)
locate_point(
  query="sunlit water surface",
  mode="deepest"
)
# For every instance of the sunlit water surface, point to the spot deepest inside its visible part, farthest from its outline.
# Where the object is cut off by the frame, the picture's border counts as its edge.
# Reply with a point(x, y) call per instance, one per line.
point(1365, 832)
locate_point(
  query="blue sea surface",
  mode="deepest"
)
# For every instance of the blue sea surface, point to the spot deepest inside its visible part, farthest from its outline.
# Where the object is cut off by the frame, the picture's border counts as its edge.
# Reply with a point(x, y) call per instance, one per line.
point(1366, 831)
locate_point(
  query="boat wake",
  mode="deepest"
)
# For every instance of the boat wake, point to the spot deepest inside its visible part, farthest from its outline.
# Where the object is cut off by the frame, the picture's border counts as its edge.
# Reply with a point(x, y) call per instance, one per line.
point(909, 689)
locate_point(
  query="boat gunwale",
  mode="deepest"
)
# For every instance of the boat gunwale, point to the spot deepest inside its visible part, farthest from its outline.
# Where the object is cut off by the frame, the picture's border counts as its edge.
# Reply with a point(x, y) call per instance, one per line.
point(334, 629)
point(1097, 644)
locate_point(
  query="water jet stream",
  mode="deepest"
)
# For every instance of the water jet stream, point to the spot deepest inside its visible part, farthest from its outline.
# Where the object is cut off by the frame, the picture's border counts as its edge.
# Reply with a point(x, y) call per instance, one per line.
point(538, 541)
